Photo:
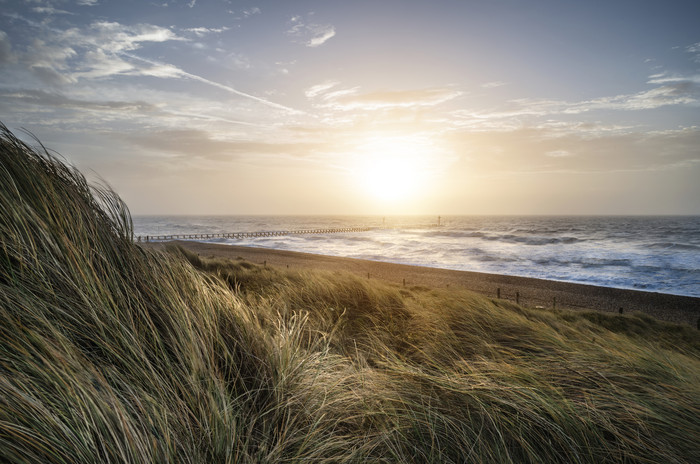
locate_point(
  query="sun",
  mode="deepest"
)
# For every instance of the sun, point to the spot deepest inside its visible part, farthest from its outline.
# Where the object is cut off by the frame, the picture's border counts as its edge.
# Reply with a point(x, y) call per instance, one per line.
point(389, 178)
point(393, 169)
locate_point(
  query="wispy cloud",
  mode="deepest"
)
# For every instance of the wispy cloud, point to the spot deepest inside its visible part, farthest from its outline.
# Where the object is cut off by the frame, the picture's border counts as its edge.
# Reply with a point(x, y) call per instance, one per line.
point(251, 11)
point(315, 90)
point(247, 13)
point(49, 10)
point(202, 31)
point(321, 35)
point(310, 34)
point(200, 143)
point(53, 99)
point(670, 91)
point(535, 150)
point(493, 84)
point(666, 78)
point(351, 99)
point(695, 50)
point(104, 50)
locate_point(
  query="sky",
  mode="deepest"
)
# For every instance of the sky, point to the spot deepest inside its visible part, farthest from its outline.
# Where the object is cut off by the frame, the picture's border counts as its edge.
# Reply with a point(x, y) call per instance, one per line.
point(364, 107)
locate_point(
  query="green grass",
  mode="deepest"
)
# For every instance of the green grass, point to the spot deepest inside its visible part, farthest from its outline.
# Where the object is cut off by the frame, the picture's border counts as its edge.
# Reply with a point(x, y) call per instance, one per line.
point(110, 352)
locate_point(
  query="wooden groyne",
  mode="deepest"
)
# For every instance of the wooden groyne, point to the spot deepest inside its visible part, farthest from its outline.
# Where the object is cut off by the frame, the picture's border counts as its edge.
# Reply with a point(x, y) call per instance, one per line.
point(241, 235)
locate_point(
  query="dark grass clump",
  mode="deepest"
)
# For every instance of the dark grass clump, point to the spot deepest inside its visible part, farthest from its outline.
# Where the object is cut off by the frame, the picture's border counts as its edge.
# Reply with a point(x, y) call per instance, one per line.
point(114, 353)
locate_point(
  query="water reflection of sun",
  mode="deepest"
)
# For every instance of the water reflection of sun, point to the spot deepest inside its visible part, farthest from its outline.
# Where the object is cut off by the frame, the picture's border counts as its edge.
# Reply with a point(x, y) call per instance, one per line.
point(394, 169)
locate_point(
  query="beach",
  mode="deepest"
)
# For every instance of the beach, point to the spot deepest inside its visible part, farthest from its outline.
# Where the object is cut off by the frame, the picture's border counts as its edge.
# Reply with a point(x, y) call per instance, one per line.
point(529, 292)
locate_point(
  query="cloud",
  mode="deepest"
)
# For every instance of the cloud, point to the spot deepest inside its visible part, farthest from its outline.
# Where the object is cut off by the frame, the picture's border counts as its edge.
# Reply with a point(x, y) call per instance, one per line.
point(87, 2)
point(677, 93)
point(671, 91)
point(321, 35)
point(104, 50)
point(251, 11)
point(318, 89)
point(202, 31)
point(310, 34)
point(530, 150)
point(492, 85)
point(199, 143)
point(558, 153)
point(6, 54)
point(350, 99)
point(665, 78)
point(695, 50)
point(49, 10)
point(247, 13)
point(93, 52)
point(62, 57)
point(49, 61)
point(53, 99)
point(115, 37)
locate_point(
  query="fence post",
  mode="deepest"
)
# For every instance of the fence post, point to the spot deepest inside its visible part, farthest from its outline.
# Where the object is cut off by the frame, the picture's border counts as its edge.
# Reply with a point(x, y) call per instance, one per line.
point(498, 293)
point(517, 297)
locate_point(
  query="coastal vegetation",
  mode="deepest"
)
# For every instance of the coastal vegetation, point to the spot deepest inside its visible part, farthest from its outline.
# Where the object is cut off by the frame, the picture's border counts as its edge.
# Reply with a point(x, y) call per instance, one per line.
point(112, 352)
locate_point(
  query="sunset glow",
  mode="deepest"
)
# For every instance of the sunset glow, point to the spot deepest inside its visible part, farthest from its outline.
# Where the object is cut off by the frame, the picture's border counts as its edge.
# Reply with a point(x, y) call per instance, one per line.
point(394, 169)
point(317, 107)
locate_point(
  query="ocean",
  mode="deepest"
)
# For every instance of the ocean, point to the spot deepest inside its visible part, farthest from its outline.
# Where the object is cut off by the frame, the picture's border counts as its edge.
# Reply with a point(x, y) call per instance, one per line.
point(651, 253)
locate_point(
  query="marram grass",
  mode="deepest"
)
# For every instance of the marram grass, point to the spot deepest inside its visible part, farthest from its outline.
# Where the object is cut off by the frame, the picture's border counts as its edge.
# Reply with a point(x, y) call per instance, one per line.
point(110, 352)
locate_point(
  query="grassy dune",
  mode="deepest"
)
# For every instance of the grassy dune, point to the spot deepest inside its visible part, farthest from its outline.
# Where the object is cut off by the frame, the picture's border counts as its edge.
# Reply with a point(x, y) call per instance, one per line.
point(113, 353)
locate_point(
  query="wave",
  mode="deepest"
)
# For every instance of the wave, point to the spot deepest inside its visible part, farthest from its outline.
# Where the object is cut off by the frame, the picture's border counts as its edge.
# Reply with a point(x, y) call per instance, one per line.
point(535, 241)
point(508, 238)
point(673, 246)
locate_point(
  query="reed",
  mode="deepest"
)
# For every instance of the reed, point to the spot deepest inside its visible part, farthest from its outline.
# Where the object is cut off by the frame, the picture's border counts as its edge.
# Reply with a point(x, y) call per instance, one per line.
point(110, 352)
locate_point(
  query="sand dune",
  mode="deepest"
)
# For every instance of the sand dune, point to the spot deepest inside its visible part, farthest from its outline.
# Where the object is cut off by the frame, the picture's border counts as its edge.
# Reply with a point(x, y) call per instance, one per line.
point(530, 292)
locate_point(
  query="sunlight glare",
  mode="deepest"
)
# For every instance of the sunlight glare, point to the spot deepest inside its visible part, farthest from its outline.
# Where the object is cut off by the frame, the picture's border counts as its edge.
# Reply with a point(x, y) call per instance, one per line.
point(393, 169)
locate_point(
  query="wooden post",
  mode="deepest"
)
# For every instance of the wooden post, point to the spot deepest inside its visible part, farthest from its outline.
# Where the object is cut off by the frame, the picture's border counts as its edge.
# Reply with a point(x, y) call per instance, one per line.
point(264, 263)
point(404, 282)
point(554, 303)
point(517, 297)
point(620, 310)
point(498, 293)
point(368, 276)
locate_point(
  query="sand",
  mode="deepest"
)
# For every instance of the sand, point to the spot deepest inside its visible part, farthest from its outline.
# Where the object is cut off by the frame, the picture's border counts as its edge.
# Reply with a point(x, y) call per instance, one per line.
point(529, 292)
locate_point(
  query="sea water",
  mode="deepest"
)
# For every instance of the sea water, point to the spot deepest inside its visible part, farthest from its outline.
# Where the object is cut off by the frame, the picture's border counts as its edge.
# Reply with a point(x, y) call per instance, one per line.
point(659, 253)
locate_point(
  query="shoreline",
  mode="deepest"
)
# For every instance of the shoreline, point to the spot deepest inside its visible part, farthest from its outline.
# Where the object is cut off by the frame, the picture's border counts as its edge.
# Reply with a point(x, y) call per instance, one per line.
point(531, 292)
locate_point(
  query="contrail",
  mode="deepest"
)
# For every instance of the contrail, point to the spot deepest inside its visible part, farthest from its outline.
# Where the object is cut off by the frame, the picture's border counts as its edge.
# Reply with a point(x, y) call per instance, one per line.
point(214, 118)
point(195, 77)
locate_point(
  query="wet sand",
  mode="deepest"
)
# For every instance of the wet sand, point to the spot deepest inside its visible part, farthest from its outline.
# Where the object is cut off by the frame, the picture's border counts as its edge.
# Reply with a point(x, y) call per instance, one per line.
point(529, 291)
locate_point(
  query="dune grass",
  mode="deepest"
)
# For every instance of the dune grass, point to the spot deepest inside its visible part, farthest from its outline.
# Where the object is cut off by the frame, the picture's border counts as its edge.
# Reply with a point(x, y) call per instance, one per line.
point(110, 352)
